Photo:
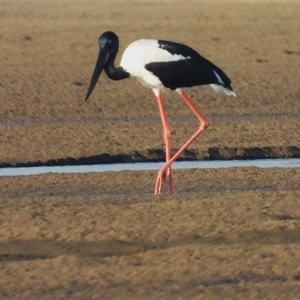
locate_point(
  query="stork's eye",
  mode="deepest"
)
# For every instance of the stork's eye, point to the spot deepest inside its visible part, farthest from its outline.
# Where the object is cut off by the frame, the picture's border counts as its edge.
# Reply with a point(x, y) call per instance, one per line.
point(109, 41)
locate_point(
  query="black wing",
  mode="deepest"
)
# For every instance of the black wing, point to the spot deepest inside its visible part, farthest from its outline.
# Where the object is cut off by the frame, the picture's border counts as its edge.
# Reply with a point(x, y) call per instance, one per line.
point(193, 70)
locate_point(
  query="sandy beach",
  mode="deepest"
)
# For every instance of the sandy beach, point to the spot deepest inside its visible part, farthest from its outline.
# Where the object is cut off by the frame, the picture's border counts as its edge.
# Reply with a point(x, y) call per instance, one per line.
point(223, 234)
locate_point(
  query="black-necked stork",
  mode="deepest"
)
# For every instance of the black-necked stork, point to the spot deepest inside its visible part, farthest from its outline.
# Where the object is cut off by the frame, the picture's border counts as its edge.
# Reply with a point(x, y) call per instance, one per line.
point(162, 65)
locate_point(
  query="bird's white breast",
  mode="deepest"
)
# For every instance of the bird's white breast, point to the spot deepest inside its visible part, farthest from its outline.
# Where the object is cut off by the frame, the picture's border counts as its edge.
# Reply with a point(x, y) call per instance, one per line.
point(142, 52)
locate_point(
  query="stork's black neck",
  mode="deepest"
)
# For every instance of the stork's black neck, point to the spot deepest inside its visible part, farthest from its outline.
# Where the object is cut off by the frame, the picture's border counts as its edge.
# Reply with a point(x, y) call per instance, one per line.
point(112, 72)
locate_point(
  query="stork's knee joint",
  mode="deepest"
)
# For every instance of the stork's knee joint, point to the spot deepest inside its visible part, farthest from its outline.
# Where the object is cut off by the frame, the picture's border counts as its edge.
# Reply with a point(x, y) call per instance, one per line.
point(204, 125)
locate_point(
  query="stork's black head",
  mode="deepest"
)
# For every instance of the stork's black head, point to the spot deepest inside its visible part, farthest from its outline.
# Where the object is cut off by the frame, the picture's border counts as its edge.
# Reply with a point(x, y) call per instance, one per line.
point(109, 45)
point(109, 41)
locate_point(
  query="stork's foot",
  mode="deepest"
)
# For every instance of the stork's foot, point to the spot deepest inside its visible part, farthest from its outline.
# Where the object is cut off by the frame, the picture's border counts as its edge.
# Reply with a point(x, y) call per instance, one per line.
point(159, 182)
point(163, 176)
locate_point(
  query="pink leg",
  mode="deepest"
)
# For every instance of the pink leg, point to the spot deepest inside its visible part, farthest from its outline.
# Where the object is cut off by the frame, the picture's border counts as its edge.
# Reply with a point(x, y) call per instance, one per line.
point(167, 137)
point(203, 125)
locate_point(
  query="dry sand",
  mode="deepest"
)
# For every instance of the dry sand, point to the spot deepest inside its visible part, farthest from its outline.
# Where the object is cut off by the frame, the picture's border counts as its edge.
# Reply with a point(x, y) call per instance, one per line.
point(224, 233)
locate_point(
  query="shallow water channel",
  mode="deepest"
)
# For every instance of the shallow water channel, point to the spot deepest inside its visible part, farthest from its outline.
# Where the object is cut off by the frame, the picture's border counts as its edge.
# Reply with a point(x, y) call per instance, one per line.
point(212, 164)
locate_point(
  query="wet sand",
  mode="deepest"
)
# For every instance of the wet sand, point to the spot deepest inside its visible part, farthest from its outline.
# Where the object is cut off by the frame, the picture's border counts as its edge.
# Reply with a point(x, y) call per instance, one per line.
point(230, 233)
point(223, 234)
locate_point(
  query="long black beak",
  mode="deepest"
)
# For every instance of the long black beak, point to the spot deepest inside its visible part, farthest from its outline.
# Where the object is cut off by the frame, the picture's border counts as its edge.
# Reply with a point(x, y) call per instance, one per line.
point(101, 61)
